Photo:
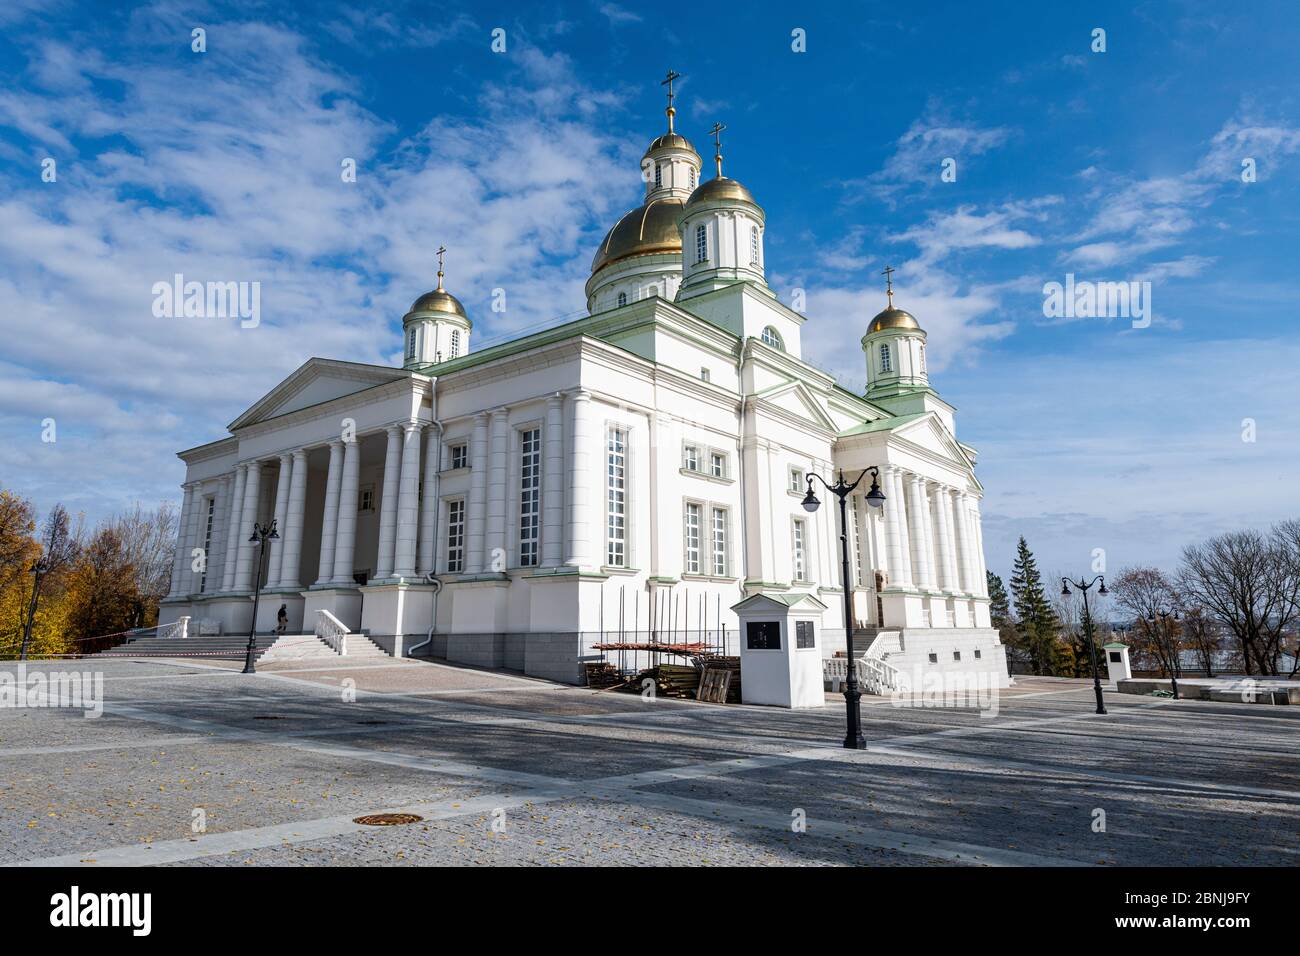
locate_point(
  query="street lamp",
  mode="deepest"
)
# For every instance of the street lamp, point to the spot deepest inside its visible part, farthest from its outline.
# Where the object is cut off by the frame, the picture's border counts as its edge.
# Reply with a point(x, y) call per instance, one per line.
point(40, 567)
point(1171, 650)
point(853, 738)
point(260, 536)
point(1087, 628)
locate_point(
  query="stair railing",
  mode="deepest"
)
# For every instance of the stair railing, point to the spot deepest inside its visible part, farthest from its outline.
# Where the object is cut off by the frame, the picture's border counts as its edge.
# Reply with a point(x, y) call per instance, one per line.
point(177, 629)
point(332, 631)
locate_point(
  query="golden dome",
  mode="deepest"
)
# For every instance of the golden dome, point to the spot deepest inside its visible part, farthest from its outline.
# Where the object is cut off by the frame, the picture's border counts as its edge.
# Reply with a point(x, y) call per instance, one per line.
point(673, 140)
point(645, 231)
point(721, 188)
point(893, 318)
point(439, 300)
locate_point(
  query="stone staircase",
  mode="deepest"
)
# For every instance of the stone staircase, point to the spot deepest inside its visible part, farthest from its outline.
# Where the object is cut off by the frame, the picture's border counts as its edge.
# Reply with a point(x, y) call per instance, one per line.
point(272, 647)
point(212, 647)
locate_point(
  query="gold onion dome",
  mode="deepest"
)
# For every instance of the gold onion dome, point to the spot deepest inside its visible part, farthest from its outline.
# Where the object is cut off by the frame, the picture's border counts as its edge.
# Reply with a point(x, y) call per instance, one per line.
point(439, 300)
point(721, 188)
point(893, 318)
point(644, 231)
point(669, 141)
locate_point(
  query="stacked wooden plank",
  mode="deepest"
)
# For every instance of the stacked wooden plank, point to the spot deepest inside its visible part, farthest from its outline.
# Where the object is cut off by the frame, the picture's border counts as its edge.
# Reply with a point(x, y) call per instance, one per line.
point(603, 675)
point(675, 680)
point(731, 664)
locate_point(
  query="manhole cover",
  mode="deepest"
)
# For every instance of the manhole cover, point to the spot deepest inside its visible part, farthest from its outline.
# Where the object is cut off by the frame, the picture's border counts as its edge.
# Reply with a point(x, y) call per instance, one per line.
point(387, 819)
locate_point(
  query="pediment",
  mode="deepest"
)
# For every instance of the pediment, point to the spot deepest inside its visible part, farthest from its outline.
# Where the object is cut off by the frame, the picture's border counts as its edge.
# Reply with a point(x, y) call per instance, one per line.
point(316, 381)
point(928, 432)
point(795, 398)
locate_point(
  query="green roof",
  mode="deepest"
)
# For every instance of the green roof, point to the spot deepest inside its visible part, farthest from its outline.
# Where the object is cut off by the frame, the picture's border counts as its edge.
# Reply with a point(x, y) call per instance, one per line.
point(882, 425)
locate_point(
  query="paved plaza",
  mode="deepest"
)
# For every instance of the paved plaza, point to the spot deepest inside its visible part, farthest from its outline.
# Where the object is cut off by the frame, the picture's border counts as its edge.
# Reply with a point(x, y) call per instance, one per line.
point(193, 763)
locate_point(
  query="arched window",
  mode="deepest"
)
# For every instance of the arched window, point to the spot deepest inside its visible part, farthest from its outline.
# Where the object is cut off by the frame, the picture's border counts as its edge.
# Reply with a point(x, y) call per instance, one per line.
point(885, 364)
point(622, 298)
point(455, 343)
point(410, 343)
point(701, 244)
point(773, 338)
point(659, 175)
point(753, 245)
point(692, 177)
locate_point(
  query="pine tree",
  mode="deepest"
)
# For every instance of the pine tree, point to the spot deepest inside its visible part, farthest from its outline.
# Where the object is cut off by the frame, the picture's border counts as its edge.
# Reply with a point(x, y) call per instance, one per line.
point(999, 604)
point(1037, 623)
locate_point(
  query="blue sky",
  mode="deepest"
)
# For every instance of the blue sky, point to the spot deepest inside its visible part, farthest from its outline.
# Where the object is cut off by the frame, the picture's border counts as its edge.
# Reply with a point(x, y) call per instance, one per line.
point(1123, 165)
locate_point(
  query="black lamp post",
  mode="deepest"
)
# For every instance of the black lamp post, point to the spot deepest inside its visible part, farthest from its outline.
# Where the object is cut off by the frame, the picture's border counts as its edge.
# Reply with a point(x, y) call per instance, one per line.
point(40, 567)
point(260, 536)
point(1172, 649)
point(853, 738)
point(1087, 628)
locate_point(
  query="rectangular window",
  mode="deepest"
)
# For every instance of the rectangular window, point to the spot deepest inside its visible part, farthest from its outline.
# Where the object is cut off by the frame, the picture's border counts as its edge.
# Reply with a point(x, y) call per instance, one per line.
point(857, 541)
point(691, 458)
point(456, 535)
point(797, 550)
point(701, 244)
point(366, 498)
point(719, 542)
point(458, 456)
point(763, 635)
point(717, 465)
point(796, 480)
point(616, 497)
point(207, 541)
point(804, 636)
point(530, 490)
point(692, 538)
point(704, 375)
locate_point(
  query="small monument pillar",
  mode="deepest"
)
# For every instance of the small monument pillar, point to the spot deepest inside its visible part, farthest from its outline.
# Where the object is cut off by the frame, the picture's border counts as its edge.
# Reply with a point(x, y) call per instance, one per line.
point(780, 650)
point(1117, 663)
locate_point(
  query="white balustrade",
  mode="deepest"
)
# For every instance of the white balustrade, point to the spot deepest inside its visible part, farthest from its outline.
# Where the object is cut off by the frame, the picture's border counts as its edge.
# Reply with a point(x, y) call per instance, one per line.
point(332, 631)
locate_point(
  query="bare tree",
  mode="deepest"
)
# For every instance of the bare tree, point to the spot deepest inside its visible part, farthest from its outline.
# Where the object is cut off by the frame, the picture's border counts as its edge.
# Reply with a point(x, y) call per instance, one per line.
point(148, 540)
point(1147, 595)
point(1247, 581)
point(1201, 634)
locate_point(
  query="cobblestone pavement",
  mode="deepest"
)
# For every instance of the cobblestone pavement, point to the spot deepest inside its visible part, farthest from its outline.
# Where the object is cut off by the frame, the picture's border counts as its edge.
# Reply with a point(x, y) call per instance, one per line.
point(193, 763)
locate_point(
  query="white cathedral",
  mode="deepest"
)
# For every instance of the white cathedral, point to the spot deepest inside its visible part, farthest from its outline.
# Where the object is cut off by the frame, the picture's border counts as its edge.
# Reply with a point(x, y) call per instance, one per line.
point(639, 470)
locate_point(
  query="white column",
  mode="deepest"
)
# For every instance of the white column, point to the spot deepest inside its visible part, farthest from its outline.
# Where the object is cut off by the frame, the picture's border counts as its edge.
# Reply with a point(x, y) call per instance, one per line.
point(233, 524)
point(939, 501)
point(553, 484)
point(276, 559)
point(330, 516)
point(217, 548)
point(981, 568)
point(345, 538)
point(961, 531)
point(580, 475)
point(198, 516)
point(916, 531)
point(179, 561)
point(495, 535)
point(247, 565)
point(295, 517)
point(408, 495)
point(897, 539)
point(429, 504)
point(388, 506)
point(477, 495)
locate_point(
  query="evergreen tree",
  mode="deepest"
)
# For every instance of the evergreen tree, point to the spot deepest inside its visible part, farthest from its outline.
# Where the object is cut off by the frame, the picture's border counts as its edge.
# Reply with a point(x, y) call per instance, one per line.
point(1037, 623)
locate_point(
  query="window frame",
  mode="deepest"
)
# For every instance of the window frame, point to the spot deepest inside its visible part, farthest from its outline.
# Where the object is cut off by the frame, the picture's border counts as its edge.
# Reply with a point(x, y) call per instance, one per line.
point(772, 338)
point(455, 559)
point(692, 537)
point(463, 446)
point(701, 243)
point(886, 361)
point(530, 496)
point(799, 550)
point(616, 494)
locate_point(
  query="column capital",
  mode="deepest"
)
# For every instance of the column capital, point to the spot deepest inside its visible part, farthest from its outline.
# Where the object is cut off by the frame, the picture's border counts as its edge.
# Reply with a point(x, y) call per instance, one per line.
point(555, 400)
point(410, 427)
point(395, 428)
point(501, 412)
point(335, 443)
point(285, 456)
point(580, 395)
point(299, 454)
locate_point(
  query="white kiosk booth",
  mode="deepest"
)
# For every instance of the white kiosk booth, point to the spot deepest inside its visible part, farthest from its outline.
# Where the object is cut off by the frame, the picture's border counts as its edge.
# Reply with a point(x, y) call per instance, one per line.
point(1117, 663)
point(780, 650)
